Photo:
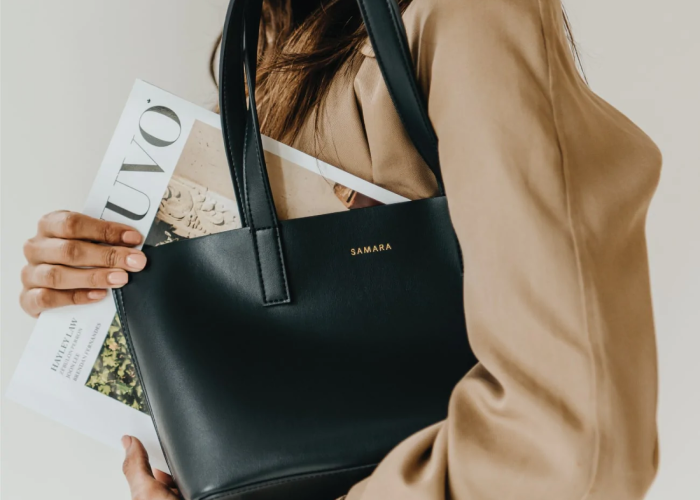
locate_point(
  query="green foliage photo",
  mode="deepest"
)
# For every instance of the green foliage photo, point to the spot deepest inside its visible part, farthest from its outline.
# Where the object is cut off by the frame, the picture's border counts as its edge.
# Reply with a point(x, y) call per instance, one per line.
point(114, 374)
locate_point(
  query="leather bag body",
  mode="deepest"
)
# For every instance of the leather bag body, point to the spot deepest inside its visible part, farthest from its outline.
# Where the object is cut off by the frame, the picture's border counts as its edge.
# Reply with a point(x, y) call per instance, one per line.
point(285, 359)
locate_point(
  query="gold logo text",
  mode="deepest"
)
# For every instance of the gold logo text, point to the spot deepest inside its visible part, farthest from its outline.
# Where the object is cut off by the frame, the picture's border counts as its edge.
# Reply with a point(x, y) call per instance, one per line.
point(370, 249)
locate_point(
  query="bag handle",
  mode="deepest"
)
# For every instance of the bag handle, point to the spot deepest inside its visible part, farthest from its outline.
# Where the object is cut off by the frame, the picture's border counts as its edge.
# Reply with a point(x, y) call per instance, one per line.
point(241, 129)
point(388, 37)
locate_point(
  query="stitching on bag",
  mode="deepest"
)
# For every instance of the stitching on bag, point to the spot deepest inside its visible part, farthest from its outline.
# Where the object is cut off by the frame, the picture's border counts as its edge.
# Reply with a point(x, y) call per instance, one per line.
point(254, 232)
point(222, 105)
point(284, 273)
point(256, 487)
point(245, 184)
point(262, 179)
point(256, 247)
point(271, 207)
point(277, 236)
point(121, 309)
point(256, 251)
point(282, 266)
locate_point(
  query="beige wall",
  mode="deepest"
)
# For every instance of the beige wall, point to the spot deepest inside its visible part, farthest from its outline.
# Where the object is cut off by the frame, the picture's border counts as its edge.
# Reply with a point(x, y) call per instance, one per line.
point(68, 65)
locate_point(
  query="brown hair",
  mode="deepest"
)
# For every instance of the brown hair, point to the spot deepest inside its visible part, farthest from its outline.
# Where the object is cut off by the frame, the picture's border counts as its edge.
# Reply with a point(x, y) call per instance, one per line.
point(303, 45)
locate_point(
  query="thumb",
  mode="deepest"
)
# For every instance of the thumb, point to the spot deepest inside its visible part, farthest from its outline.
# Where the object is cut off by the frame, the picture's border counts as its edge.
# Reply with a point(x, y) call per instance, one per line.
point(137, 470)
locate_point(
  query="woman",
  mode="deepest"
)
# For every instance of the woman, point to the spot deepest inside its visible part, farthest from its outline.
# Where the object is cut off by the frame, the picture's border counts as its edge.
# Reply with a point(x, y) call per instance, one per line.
point(548, 188)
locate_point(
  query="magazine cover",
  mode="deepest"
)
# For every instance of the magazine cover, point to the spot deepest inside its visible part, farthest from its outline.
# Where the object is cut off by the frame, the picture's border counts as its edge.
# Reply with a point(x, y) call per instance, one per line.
point(166, 174)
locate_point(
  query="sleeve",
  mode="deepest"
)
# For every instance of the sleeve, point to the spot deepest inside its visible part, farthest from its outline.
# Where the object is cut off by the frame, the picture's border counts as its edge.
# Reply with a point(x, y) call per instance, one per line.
point(550, 217)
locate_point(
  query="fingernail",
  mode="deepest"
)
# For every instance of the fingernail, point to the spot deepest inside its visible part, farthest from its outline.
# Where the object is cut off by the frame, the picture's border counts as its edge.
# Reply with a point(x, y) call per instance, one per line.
point(118, 278)
point(131, 237)
point(97, 294)
point(126, 442)
point(136, 261)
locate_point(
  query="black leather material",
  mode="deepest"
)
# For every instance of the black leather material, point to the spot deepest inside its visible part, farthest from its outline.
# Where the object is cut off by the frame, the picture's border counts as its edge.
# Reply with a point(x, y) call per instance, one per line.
point(362, 347)
point(367, 353)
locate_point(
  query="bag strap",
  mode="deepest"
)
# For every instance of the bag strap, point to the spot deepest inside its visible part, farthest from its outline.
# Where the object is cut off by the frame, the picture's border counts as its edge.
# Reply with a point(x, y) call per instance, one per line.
point(241, 129)
point(388, 37)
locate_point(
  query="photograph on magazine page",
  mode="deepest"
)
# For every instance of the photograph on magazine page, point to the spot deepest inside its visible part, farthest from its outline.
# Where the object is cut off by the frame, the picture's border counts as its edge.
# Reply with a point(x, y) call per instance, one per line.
point(349, 250)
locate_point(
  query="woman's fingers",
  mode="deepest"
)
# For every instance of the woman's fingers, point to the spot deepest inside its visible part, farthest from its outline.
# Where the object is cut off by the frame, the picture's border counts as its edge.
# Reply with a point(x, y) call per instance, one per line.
point(74, 258)
point(142, 483)
point(76, 253)
point(34, 301)
point(76, 226)
point(69, 278)
point(164, 478)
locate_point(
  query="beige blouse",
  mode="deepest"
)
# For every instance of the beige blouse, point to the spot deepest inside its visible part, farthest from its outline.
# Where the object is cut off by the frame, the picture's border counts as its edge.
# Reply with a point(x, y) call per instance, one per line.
point(548, 189)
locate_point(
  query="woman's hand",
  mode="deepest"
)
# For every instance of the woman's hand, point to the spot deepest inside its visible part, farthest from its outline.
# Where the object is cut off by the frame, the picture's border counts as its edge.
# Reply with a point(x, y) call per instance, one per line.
point(65, 245)
point(144, 483)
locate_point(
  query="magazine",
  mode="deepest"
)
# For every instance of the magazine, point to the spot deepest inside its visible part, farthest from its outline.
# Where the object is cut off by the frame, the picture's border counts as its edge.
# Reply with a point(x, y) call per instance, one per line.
point(166, 174)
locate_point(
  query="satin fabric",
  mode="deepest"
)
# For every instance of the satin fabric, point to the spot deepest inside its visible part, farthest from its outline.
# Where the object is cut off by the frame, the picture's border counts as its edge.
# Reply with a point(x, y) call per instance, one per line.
point(548, 188)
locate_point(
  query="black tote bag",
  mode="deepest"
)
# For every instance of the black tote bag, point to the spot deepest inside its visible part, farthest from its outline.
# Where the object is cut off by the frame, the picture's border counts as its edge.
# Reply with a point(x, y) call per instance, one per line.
point(277, 362)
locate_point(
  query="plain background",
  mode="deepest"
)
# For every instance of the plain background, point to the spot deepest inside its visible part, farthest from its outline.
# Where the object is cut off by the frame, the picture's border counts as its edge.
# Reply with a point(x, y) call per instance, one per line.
point(68, 66)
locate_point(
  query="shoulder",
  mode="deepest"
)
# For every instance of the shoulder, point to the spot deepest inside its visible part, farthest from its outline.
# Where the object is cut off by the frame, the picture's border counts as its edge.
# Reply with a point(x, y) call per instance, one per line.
point(493, 41)
point(480, 32)
point(467, 13)
point(474, 21)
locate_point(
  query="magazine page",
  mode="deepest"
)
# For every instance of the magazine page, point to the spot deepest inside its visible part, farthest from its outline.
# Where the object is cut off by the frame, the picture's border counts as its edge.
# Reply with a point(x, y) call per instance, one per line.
point(165, 173)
